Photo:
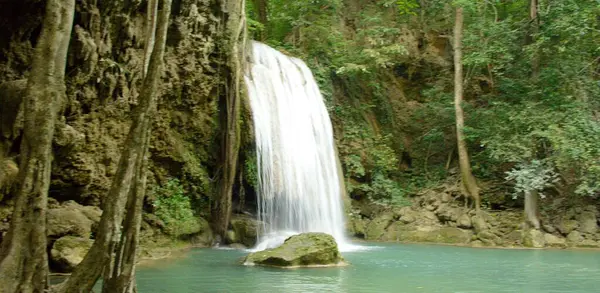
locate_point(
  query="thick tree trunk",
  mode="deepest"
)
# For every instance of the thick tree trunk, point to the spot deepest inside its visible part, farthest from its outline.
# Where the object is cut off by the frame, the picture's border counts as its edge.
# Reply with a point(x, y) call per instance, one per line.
point(23, 257)
point(120, 275)
point(531, 209)
point(468, 180)
point(126, 186)
point(231, 102)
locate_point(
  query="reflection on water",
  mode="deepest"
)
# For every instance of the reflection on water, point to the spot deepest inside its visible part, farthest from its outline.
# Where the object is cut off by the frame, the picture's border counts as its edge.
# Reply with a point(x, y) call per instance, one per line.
point(392, 268)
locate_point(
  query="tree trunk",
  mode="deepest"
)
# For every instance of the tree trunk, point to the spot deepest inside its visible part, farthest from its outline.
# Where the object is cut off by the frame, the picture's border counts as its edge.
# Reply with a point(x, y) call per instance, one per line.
point(23, 256)
point(261, 9)
point(531, 209)
point(468, 180)
point(127, 187)
point(230, 101)
point(535, 61)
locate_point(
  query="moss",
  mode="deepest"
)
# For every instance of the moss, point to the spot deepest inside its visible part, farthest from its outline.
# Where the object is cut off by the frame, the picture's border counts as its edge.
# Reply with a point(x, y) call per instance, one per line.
point(307, 249)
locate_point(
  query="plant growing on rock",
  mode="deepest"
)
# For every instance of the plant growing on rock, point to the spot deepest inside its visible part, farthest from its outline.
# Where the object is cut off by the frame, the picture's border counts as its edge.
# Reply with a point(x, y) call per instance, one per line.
point(174, 208)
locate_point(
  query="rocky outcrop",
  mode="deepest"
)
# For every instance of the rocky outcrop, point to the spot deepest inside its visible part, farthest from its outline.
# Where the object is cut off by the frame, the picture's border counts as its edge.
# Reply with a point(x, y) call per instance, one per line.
point(303, 250)
point(534, 238)
point(435, 217)
point(71, 218)
point(68, 251)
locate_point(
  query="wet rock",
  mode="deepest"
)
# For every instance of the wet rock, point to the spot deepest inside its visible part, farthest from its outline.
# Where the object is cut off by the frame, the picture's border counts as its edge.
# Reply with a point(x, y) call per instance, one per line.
point(302, 250)
point(357, 226)
point(376, 228)
point(477, 243)
point(464, 222)
point(237, 246)
point(205, 238)
point(587, 222)
point(554, 241)
point(450, 235)
point(247, 230)
point(565, 226)
point(534, 238)
point(231, 237)
point(454, 235)
point(67, 252)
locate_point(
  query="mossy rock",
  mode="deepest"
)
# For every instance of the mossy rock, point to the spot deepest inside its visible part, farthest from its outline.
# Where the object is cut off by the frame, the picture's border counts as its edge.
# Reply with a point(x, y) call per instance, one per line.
point(67, 252)
point(376, 228)
point(246, 229)
point(450, 235)
point(302, 250)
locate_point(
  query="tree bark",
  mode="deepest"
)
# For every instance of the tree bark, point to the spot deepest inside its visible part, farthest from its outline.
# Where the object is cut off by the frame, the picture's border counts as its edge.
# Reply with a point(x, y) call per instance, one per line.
point(468, 180)
point(262, 12)
point(531, 209)
point(23, 256)
point(127, 186)
point(535, 27)
point(230, 101)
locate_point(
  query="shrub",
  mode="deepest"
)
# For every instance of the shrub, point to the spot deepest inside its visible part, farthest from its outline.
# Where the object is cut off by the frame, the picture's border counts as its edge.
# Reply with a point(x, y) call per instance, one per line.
point(174, 208)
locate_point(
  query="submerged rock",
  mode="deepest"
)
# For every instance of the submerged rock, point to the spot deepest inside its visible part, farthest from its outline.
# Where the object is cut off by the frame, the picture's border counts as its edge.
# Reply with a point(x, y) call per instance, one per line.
point(302, 250)
point(67, 252)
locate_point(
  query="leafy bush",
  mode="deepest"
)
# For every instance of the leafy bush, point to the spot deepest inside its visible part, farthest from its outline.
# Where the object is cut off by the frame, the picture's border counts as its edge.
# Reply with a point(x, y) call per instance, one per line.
point(174, 208)
point(535, 176)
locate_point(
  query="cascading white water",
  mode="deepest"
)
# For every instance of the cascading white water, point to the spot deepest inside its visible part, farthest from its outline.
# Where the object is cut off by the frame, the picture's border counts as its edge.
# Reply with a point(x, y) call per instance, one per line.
point(299, 187)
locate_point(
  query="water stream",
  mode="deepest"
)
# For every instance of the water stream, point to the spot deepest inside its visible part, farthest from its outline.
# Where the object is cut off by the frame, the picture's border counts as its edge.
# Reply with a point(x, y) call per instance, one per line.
point(299, 187)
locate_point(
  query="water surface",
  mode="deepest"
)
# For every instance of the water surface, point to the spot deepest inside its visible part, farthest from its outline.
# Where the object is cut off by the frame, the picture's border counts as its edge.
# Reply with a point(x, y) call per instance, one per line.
point(389, 268)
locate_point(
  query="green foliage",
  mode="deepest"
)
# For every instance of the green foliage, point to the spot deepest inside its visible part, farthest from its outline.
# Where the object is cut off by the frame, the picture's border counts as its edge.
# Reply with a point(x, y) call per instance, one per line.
point(534, 176)
point(516, 115)
point(405, 6)
point(174, 208)
point(251, 170)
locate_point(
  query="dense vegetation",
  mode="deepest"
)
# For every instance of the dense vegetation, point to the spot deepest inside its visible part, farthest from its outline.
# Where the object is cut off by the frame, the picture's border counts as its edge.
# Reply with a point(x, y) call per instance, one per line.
point(385, 67)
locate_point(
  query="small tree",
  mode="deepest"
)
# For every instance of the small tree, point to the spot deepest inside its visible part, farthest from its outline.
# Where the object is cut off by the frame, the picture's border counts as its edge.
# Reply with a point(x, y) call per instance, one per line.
point(468, 182)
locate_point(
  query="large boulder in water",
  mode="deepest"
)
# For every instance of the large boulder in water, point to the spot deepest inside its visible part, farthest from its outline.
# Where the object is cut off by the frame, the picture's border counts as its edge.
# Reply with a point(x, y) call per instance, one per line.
point(302, 250)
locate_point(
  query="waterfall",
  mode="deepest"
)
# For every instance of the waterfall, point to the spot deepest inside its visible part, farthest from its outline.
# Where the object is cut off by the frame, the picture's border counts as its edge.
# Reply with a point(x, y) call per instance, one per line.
point(298, 184)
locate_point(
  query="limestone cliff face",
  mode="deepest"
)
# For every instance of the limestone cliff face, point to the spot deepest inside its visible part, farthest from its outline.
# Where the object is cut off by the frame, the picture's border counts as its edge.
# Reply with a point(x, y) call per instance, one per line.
point(103, 80)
